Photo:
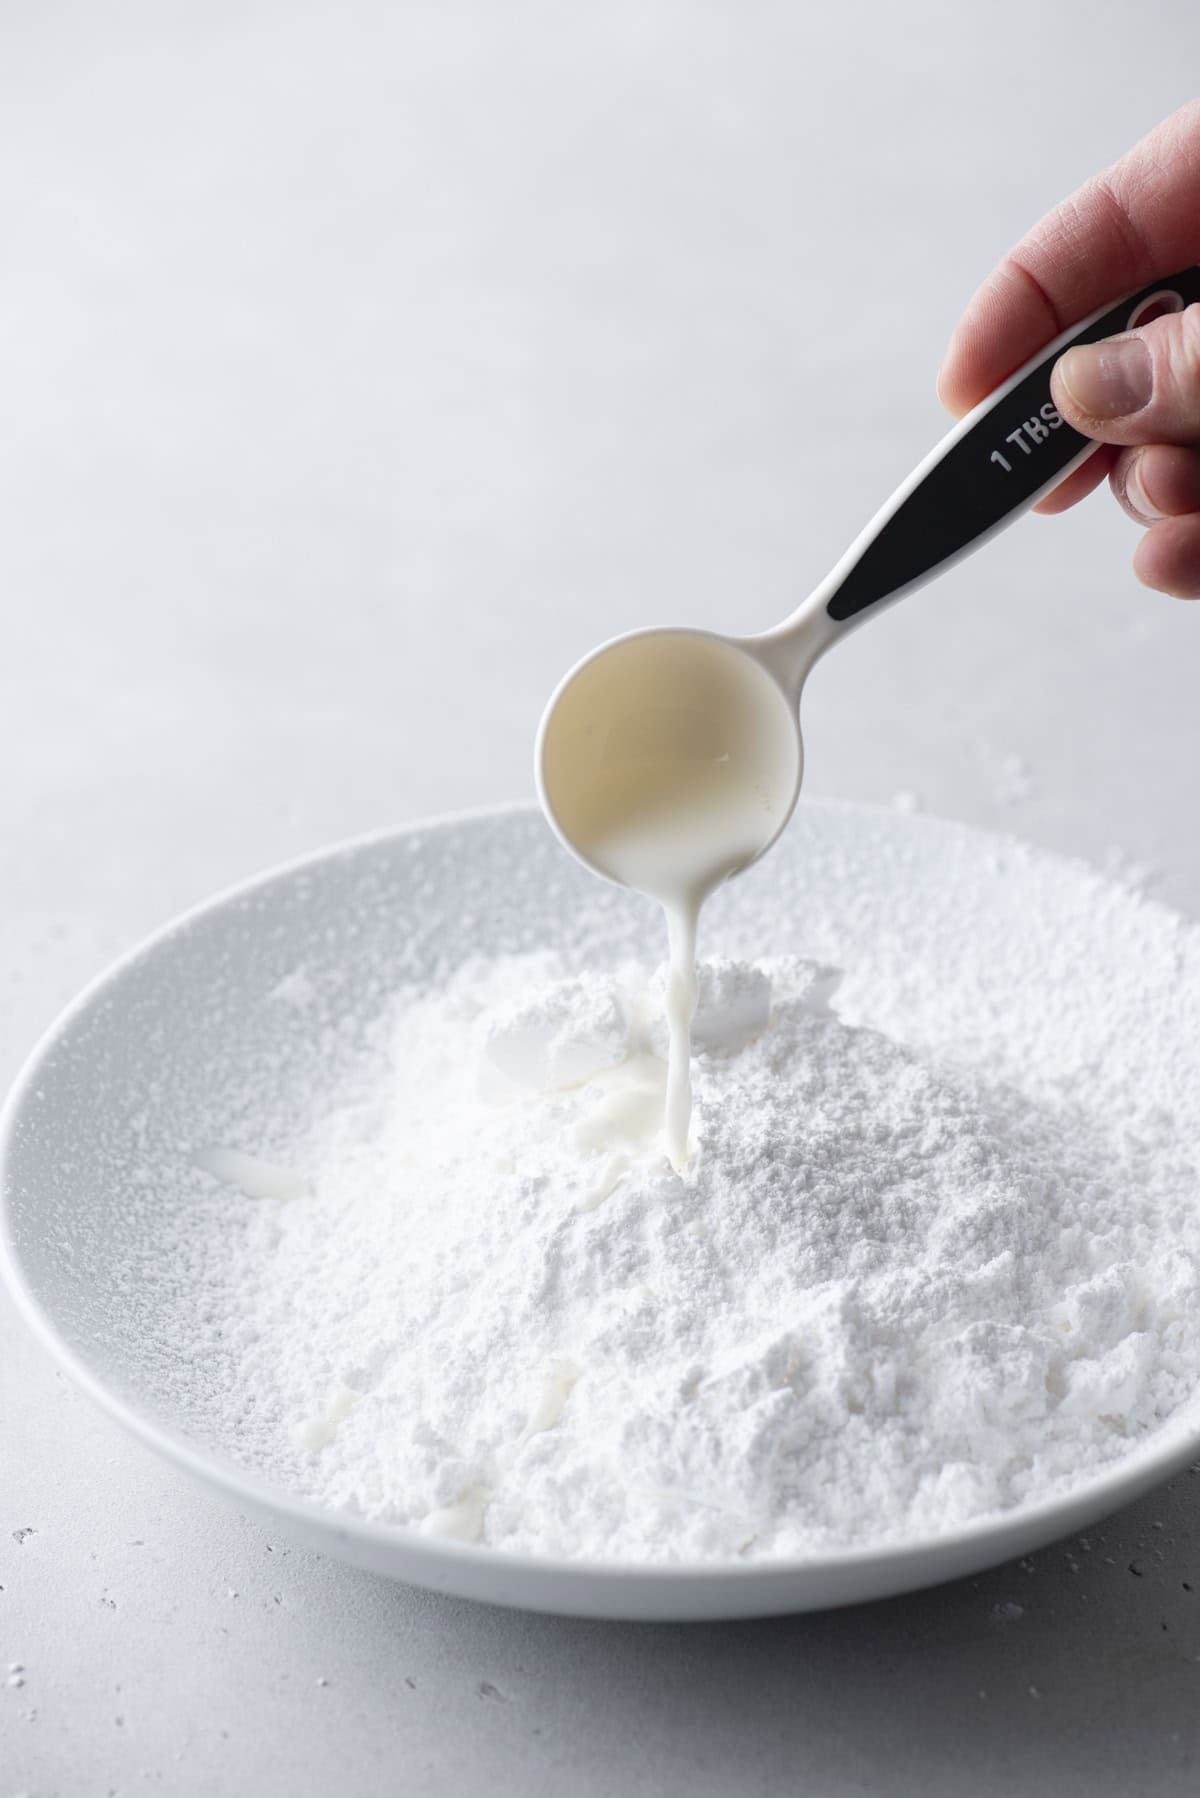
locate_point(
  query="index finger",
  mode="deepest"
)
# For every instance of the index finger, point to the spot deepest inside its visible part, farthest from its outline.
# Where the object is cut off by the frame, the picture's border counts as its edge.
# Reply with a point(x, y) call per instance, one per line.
point(1138, 219)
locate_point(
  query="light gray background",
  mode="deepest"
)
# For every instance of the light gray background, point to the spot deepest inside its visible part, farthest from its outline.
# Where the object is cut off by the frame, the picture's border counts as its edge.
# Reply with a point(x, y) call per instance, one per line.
point(361, 365)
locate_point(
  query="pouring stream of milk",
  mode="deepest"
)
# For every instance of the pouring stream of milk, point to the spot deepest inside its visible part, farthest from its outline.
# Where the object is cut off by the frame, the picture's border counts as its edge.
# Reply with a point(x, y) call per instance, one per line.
point(670, 762)
point(682, 920)
point(675, 830)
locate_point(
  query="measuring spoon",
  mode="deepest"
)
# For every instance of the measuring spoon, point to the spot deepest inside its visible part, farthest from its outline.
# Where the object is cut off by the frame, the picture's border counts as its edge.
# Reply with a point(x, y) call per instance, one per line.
point(669, 759)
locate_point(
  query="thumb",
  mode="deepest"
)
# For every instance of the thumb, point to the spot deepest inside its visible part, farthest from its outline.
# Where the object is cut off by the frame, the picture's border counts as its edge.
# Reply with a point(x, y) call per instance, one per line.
point(1142, 387)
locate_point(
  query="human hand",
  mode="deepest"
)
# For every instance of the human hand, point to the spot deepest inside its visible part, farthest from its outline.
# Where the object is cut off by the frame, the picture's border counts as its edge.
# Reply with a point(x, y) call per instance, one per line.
point(1137, 394)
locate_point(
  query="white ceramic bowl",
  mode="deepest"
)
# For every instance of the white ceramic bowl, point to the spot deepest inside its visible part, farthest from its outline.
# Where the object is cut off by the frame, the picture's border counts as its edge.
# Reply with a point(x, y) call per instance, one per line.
point(98, 1134)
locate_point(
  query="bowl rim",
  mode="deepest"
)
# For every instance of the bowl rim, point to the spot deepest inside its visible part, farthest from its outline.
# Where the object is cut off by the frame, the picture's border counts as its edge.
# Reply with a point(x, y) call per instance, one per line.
point(984, 1541)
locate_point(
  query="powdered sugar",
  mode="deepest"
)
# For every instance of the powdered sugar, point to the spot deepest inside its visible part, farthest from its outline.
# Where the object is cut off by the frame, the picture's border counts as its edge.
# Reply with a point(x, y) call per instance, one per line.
point(1052, 1010)
point(902, 1285)
point(558, 1036)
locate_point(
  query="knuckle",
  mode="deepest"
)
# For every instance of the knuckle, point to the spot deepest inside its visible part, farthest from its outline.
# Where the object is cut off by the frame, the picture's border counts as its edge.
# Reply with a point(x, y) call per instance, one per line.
point(1174, 343)
point(1188, 323)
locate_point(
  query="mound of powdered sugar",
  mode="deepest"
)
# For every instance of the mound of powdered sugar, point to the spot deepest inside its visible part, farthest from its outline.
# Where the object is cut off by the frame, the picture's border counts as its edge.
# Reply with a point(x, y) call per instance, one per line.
point(893, 1293)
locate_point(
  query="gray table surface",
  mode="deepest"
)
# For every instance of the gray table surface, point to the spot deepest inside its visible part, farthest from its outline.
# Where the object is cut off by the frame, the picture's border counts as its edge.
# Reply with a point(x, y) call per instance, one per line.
point(360, 365)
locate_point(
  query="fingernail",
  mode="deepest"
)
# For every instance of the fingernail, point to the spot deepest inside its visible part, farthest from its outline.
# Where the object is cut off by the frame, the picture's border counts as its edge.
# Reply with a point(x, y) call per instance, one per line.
point(1135, 492)
point(1108, 380)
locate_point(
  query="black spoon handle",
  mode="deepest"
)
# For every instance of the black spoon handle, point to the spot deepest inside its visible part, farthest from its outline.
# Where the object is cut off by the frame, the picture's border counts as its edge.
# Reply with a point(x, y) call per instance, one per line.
point(996, 463)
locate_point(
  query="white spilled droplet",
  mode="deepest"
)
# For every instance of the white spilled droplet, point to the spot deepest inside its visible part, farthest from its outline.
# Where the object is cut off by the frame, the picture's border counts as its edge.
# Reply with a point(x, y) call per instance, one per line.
point(254, 1177)
point(559, 1384)
point(460, 1522)
point(316, 1433)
